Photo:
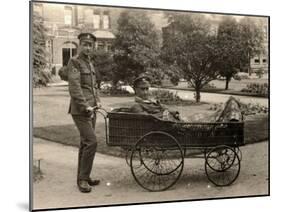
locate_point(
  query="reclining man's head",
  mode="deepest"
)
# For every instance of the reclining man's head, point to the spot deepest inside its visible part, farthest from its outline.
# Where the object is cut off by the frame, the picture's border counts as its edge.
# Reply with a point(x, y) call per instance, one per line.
point(141, 87)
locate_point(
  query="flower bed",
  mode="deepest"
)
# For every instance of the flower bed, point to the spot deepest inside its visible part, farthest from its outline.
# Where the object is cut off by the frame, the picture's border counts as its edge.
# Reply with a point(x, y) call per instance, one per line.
point(260, 89)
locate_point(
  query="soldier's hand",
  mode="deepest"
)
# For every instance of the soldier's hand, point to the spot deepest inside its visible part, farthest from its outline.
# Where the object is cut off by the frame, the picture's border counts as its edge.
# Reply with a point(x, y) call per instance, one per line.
point(89, 110)
point(99, 105)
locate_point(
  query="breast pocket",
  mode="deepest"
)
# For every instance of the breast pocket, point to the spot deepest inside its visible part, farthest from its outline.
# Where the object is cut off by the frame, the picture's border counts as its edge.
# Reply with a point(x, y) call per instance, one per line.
point(86, 77)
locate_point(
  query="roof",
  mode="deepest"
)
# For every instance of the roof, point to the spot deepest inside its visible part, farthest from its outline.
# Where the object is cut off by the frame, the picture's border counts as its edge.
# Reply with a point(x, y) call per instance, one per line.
point(104, 34)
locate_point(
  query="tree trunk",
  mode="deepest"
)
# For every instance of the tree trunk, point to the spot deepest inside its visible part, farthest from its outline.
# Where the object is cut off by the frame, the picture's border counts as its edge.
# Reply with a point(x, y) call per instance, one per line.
point(249, 65)
point(226, 83)
point(197, 95)
point(249, 70)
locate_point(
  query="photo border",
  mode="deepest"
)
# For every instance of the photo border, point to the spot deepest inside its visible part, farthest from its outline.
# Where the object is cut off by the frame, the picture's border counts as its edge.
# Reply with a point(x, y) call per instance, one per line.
point(138, 8)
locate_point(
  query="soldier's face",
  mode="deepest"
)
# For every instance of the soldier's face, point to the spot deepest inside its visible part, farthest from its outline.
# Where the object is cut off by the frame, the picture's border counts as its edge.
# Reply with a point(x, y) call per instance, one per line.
point(86, 47)
point(142, 92)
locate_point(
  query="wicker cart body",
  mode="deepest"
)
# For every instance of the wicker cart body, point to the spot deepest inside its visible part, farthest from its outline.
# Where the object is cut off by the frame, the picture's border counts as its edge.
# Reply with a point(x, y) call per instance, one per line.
point(125, 129)
point(157, 148)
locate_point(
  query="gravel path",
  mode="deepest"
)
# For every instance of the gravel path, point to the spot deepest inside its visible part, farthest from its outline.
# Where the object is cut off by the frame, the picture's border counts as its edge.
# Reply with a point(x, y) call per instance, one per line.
point(58, 187)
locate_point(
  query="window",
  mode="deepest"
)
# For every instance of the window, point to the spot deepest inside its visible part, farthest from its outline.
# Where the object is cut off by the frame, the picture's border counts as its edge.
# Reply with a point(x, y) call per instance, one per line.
point(48, 44)
point(264, 61)
point(88, 15)
point(101, 46)
point(110, 47)
point(38, 8)
point(67, 53)
point(106, 20)
point(68, 15)
point(96, 20)
point(257, 61)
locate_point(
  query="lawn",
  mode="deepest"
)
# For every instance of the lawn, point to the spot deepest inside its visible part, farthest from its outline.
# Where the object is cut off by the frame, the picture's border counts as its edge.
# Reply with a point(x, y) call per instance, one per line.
point(51, 121)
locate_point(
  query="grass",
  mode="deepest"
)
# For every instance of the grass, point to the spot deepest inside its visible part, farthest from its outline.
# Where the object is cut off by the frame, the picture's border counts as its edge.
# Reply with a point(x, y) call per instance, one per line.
point(51, 121)
point(256, 130)
point(68, 135)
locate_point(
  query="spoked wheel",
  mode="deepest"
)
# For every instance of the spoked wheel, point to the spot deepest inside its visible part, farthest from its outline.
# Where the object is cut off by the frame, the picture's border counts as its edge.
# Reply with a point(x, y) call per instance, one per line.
point(238, 152)
point(157, 161)
point(128, 156)
point(222, 165)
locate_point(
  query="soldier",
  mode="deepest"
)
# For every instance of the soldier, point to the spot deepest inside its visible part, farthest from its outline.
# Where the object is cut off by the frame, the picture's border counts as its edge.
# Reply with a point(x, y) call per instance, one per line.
point(147, 105)
point(84, 98)
point(230, 111)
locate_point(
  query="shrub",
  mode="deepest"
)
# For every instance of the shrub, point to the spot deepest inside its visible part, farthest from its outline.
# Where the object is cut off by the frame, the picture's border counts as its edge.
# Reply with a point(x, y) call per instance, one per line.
point(253, 109)
point(260, 72)
point(216, 106)
point(63, 73)
point(246, 109)
point(39, 53)
point(260, 89)
point(113, 91)
point(41, 78)
point(104, 64)
point(237, 77)
point(54, 70)
point(175, 80)
point(166, 97)
point(209, 86)
point(241, 76)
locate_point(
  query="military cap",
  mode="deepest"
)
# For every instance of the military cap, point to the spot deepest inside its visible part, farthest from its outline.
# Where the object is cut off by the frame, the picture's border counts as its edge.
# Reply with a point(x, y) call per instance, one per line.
point(142, 80)
point(86, 36)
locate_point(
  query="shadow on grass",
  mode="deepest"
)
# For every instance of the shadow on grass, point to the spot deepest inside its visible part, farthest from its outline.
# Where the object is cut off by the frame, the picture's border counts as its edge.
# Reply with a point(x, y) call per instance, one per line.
point(69, 135)
point(255, 130)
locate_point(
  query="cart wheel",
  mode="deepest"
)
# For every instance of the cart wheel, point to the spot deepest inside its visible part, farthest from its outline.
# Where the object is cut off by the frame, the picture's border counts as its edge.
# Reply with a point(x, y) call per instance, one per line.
point(157, 161)
point(136, 158)
point(128, 156)
point(238, 152)
point(222, 165)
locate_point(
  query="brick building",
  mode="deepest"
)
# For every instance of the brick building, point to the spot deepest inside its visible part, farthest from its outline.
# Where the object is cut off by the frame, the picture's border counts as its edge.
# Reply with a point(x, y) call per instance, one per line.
point(261, 61)
point(64, 22)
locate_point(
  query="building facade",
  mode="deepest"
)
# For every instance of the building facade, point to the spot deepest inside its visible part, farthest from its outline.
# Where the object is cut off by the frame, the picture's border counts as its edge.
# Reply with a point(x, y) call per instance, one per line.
point(64, 22)
point(260, 62)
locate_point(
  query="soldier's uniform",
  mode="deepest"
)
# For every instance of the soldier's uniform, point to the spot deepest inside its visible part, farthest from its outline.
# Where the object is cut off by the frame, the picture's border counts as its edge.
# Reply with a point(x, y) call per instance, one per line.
point(230, 111)
point(84, 94)
point(149, 105)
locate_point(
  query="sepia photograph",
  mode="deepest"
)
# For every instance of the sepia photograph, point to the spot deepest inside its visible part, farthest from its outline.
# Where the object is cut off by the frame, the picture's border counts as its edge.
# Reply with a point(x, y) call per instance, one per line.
point(136, 105)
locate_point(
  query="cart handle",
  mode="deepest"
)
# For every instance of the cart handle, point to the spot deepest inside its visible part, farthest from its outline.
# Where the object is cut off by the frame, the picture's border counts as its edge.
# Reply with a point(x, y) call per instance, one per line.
point(104, 113)
point(100, 110)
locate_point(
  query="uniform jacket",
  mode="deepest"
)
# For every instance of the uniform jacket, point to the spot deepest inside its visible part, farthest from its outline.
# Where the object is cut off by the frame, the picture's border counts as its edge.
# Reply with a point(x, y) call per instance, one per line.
point(82, 82)
point(154, 108)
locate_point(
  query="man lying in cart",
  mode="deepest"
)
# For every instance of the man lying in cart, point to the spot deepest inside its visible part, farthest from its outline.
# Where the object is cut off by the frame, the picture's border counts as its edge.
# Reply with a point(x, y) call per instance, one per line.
point(145, 104)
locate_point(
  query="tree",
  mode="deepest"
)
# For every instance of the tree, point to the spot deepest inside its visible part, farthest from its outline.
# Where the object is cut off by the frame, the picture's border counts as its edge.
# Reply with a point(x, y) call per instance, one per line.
point(104, 65)
point(251, 40)
point(136, 46)
point(189, 43)
point(39, 53)
point(229, 47)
